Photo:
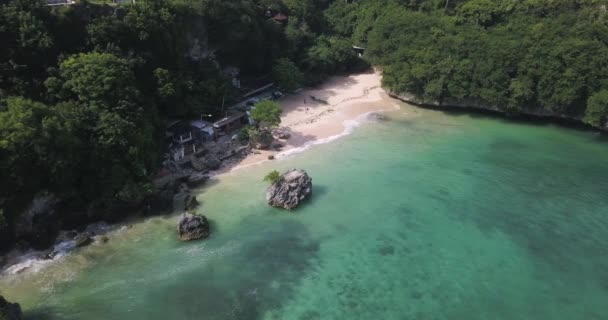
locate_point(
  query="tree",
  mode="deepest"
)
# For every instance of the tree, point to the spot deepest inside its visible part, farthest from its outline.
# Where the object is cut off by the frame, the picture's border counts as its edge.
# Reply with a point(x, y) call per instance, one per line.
point(106, 111)
point(27, 46)
point(597, 109)
point(287, 75)
point(22, 145)
point(101, 79)
point(299, 38)
point(481, 12)
point(267, 113)
point(273, 177)
point(331, 55)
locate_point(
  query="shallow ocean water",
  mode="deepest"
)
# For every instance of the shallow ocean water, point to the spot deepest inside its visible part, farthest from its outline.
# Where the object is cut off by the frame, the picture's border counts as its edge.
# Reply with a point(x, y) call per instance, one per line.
point(425, 216)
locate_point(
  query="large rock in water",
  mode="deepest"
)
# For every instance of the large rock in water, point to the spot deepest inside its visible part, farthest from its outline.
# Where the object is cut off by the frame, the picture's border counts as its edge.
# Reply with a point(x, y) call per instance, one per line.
point(192, 227)
point(293, 188)
point(10, 311)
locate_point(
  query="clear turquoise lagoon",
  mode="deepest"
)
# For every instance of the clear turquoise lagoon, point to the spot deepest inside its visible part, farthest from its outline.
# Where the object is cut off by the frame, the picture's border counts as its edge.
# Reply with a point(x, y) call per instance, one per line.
point(425, 216)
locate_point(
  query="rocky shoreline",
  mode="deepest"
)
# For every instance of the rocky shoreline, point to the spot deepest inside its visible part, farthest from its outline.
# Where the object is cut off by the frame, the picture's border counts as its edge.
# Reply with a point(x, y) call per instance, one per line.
point(349, 97)
point(475, 105)
point(43, 239)
point(10, 311)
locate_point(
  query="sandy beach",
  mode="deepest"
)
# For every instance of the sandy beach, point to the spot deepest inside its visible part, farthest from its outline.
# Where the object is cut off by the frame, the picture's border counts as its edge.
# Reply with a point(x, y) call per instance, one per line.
point(348, 98)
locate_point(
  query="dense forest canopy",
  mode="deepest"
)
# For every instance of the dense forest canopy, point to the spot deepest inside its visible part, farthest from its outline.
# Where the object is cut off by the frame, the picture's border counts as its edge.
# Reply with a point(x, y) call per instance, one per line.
point(510, 54)
point(85, 89)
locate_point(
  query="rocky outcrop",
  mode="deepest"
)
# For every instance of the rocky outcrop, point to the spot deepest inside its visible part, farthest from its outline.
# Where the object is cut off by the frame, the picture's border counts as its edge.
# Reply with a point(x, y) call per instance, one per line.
point(173, 192)
point(83, 239)
point(475, 104)
point(10, 311)
point(376, 117)
point(282, 133)
point(38, 224)
point(213, 163)
point(192, 227)
point(197, 179)
point(293, 187)
point(184, 200)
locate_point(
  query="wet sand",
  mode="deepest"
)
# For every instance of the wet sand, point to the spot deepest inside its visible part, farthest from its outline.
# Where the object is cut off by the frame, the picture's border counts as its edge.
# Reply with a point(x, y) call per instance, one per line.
point(348, 99)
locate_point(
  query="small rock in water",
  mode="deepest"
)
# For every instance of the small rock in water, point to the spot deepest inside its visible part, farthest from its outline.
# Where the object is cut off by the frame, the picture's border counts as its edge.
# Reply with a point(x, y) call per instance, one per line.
point(293, 187)
point(183, 200)
point(192, 227)
point(102, 239)
point(197, 179)
point(83, 239)
point(376, 117)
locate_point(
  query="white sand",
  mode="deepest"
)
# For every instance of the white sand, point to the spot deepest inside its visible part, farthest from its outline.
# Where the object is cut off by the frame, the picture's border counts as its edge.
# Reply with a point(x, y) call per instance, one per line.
point(348, 97)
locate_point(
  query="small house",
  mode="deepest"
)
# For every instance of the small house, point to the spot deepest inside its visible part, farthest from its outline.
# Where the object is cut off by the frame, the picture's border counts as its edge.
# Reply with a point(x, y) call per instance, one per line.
point(359, 50)
point(233, 121)
point(202, 130)
point(59, 2)
point(280, 18)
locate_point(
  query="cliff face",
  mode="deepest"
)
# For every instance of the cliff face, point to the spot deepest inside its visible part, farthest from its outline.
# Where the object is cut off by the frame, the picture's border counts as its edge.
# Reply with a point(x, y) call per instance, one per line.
point(451, 103)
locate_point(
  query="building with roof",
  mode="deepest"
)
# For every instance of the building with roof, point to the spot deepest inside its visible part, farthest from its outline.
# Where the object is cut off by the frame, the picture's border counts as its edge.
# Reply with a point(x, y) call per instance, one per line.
point(233, 121)
point(280, 18)
point(203, 131)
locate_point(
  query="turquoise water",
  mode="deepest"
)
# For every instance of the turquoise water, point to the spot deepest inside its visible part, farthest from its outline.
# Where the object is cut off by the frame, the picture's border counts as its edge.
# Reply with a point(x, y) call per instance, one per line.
point(426, 216)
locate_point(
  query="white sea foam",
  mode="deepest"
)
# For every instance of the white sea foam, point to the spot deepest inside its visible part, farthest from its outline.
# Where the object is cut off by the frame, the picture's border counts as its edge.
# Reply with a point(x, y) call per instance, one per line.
point(349, 127)
point(34, 261)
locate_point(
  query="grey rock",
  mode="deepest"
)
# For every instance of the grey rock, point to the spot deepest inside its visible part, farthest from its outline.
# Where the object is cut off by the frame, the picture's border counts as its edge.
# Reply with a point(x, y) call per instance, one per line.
point(294, 187)
point(10, 311)
point(66, 235)
point(197, 179)
point(281, 133)
point(184, 200)
point(213, 163)
point(192, 227)
point(261, 145)
point(102, 239)
point(374, 116)
point(83, 239)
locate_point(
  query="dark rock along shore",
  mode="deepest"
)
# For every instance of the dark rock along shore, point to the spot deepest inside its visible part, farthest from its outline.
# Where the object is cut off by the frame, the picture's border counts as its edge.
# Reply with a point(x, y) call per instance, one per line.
point(10, 311)
point(456, 104)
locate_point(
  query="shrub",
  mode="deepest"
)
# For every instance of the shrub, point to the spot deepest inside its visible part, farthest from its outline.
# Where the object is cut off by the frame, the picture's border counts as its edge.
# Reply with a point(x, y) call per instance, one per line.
point(273, 177)
point(267, 114)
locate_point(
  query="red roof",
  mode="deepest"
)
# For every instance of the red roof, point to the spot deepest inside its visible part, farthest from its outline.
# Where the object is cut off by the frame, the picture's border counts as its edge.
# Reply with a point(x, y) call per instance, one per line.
point(280, 17)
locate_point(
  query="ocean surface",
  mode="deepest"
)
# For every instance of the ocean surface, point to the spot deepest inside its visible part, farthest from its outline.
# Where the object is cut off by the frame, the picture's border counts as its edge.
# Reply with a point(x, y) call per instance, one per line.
point(424, 216)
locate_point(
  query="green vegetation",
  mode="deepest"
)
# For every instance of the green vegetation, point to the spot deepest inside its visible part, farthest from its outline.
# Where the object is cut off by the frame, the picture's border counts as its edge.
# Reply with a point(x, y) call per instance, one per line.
point(597, 109)
point(259, 137)
point(287, 75)
point(85, 89)
point(516, 55)
point(267, 113)
point(273, 177)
